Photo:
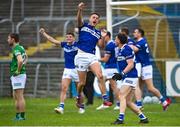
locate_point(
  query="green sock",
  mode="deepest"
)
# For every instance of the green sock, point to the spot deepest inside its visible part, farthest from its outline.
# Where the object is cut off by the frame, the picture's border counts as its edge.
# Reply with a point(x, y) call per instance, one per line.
point(23, 114)
point(17, 115)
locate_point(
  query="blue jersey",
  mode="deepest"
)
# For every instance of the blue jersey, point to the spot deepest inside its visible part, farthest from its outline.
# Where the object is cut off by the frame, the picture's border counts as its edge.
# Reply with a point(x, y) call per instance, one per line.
point(110, 49)
point(124, 54)
point(143, 54)
point(130, 41)
point(88, 38)
point(69, 53)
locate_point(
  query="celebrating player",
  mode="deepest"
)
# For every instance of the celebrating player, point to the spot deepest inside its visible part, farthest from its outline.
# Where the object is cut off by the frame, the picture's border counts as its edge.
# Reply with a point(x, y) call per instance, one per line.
point(70, 73)
point(128, 73)
point(85, 58)
point(110, 66)
point(18, 74)
point(142, 53)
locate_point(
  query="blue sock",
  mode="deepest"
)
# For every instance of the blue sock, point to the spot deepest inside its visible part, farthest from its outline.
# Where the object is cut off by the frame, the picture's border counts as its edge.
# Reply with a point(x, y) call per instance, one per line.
point(105, 97)
point(121, 116)
point(139, 103)
point(118, 103)
point(162, 99)
point(142, 116)
point(82, 106)
point(61, 105)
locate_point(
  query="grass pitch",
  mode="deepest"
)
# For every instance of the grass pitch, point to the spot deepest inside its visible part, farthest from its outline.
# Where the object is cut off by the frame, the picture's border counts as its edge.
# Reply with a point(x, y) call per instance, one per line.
point(40, 112)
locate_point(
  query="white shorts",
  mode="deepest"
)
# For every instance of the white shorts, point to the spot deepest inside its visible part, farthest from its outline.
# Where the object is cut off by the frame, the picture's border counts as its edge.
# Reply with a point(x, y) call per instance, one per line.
point(119, 83)
point(130, 82)
point(139, 69)
point(109, 72)
point(70, 74)
point(18, 82)
point(147, 72)
point(84, 60)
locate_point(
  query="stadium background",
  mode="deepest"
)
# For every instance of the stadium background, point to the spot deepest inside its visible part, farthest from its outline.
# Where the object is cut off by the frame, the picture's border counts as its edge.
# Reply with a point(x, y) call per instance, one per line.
point(160, 22)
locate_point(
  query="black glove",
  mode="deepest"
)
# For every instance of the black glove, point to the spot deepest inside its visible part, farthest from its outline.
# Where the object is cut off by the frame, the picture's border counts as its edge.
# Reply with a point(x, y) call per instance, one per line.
point(118, 76)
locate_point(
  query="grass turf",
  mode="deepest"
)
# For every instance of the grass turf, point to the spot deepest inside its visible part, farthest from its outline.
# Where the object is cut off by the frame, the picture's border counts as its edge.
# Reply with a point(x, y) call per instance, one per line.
point(40, 112)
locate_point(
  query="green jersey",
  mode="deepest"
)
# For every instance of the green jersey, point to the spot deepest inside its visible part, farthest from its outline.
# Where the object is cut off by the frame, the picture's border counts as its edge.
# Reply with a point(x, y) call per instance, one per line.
point(18, 50)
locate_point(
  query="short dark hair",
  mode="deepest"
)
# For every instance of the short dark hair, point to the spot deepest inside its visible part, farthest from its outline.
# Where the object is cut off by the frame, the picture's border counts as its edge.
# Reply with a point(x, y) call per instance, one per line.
point(122, 37)
point(15, 36)
point(95, 13)
point(125, 30)
point(70, 33)
point(141, 31)
point(108, 34)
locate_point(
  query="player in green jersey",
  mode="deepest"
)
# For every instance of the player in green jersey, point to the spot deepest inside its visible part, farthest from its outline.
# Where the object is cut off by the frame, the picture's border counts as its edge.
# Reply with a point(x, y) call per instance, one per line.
point(18, 74)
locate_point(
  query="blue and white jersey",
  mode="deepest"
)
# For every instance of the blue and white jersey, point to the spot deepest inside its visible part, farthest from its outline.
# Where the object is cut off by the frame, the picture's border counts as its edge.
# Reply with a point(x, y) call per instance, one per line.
point(70, 52)
point(142, 55)
point(110, 49)
point(130, 41)
point(88, 38)
point(124, 54)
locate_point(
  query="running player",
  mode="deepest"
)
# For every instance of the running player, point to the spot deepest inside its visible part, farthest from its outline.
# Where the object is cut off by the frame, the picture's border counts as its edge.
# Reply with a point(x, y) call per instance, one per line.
point(110, 66)
point(142, 53)
point(70, 73)
point(85, 58)
point(128, 73)
point(18, 74)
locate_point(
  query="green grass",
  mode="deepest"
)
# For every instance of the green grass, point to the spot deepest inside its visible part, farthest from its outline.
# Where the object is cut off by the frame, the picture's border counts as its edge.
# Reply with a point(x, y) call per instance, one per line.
point(39, 112)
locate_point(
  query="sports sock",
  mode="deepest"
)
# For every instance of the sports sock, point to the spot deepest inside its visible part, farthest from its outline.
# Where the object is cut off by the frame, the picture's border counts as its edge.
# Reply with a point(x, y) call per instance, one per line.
point(22, 114)
point(163, 100)
point(61, 105)
point(117, 103)
point(82, 106)
point(142, 116)
point(105, 97)
point(121, 116)
point(18, 115)
point(139, 103)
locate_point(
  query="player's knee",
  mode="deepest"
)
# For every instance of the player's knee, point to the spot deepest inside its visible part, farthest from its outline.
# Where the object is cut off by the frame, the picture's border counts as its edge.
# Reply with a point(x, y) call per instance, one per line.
point(82, 83)
point(121, 96)
point(64, 88)
point(100, 76)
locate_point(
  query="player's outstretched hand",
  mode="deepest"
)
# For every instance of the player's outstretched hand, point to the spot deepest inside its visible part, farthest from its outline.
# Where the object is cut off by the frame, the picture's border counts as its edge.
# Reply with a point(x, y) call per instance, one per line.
point(42, 30)
point(117, 76)
point(81, 5)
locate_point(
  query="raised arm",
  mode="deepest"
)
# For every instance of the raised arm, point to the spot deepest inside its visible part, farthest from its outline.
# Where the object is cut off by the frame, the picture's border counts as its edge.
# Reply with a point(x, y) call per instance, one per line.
point(79, 14)
point(51, 39)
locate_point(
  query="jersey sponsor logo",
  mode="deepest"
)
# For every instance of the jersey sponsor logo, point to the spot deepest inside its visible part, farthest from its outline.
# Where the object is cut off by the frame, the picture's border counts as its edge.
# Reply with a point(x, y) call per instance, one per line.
point(86, 29)
point(121, 58)
point(70, 50)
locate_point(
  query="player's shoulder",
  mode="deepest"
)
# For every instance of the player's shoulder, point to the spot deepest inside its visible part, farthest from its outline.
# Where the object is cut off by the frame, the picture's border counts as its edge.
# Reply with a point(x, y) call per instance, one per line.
point(19, 48)
point(127, 49)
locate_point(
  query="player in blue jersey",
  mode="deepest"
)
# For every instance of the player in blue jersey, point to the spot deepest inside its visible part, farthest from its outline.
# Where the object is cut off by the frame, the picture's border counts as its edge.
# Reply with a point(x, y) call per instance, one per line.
point(70, 73)
point(138, 92)
point(142, 53)
point(110, 66)
point(128, 75)
point(85, 58)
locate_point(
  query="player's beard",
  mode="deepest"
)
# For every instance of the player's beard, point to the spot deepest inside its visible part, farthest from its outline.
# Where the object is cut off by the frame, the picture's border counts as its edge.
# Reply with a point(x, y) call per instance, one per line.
point(10, 44)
